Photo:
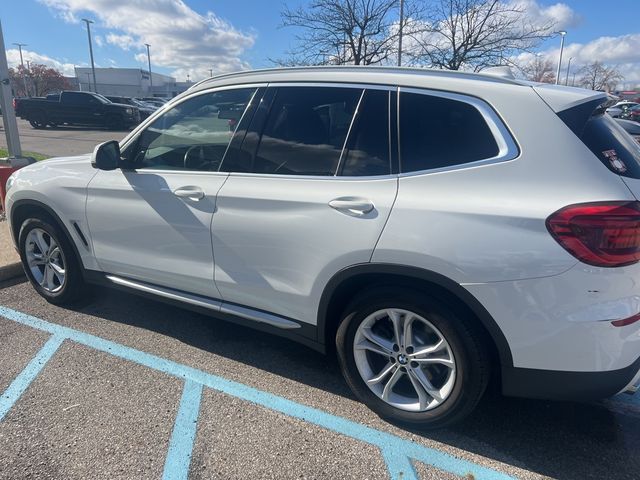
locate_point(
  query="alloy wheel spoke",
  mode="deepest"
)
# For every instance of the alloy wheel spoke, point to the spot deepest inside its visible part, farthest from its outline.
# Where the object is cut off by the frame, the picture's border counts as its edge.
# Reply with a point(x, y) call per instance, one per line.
point(383, 343)
point(422, 393)
point(407, 335)
point(427, 350)
point(382, 374)
point(40, 242)
point(426, 384)
point(431, 360)
point(391, 383)
point(396, 320)
point(372, 347)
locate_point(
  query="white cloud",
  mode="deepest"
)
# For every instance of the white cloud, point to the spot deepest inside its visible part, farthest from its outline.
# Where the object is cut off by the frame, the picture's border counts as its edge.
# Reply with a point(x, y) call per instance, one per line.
point(99, 40)
point(180, 38)
point(13, 58)
point(622, 52)
point(559, 14)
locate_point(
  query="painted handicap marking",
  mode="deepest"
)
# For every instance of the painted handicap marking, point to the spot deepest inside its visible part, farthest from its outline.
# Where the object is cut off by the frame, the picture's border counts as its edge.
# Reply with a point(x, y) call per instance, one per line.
point(396, 451)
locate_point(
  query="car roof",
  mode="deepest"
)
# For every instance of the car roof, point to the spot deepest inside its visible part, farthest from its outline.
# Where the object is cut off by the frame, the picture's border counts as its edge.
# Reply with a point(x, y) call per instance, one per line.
point(558, 97)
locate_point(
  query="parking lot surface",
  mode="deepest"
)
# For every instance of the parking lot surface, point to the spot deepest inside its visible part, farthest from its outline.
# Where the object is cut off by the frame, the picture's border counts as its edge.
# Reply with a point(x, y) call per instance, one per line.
point(60, 141)
point(125, 387)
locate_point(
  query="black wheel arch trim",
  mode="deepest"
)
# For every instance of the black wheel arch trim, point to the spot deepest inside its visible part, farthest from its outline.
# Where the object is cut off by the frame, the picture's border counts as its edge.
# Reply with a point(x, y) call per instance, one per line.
point(15, 229)
point(454, 288)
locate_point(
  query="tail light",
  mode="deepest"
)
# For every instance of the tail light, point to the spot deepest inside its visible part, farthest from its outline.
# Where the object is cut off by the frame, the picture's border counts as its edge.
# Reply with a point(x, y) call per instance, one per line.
point(15, 103)
point(604, 234)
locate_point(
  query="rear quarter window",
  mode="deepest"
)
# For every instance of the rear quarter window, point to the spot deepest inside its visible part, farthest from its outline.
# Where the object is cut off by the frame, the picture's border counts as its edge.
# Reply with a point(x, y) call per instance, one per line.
point(615, 148)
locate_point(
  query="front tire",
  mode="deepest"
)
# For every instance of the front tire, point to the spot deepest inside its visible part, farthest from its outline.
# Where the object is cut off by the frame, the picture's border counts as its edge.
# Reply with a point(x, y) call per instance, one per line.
point(412, 359)
point(50, 262)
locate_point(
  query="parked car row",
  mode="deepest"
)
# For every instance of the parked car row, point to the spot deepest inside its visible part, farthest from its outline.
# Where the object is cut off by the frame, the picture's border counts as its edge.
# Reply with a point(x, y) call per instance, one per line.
point(84, 108)
point(625, 110)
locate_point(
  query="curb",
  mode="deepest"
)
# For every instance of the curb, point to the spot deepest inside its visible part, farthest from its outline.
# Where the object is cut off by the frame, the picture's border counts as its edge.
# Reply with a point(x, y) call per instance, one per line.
point(11, 271)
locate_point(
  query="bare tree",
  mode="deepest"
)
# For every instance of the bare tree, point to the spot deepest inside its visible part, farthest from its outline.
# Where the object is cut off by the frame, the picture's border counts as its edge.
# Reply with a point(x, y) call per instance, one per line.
point(359, 32)
point(476, 34)
point(539, 70)
point(598, 76)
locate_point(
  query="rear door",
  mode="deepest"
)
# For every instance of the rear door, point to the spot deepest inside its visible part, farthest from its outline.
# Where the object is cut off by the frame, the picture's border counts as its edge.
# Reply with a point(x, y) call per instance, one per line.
point(308, 194)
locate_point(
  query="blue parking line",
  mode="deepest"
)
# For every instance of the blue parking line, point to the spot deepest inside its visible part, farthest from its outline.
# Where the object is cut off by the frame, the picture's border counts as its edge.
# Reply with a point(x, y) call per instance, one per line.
point(30, 372)
point(399, 465)
point(392, 446)
point(176, 466)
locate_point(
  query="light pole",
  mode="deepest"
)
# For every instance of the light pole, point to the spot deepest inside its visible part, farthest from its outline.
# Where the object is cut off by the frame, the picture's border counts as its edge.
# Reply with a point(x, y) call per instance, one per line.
point(400, 33)
point(566, 78)
point(93, 67)
point(24, 80)
point(562, 34)
point(149, 63)
point(211, 72)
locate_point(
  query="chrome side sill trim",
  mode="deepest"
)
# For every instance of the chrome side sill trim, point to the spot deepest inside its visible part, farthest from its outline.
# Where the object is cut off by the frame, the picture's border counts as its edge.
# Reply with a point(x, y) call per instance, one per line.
point(216, 305)
point(258, 316)
point(167, 293)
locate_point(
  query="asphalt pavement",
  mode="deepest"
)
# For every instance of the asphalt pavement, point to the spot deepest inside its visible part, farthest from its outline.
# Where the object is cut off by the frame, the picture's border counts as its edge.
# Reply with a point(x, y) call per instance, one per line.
point(60, 141)
point(125, 387)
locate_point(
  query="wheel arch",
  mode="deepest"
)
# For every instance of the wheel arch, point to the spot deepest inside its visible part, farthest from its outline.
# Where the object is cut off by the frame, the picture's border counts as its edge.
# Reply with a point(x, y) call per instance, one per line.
point(20, 211)
point(349, 281)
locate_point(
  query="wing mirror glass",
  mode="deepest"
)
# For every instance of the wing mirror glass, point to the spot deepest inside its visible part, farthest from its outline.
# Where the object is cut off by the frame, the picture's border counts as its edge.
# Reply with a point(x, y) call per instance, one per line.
point(106, 156)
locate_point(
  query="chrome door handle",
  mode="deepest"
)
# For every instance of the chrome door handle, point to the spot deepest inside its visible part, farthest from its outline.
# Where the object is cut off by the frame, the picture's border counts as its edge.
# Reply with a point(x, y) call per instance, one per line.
point(352, 205)
point(190, 192)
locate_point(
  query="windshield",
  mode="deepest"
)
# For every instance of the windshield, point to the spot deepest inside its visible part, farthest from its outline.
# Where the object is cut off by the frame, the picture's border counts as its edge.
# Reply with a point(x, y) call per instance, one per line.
point(101, 98)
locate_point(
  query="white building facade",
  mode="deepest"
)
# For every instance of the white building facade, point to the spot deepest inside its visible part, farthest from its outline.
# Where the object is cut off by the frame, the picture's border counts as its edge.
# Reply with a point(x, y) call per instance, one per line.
point(128, 82)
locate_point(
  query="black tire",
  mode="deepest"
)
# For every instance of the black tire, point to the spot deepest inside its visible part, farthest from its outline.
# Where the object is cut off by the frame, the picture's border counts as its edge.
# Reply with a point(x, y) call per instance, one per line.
point(114, 122)
point(462, 335)
point(38, 119)
point(73, 288)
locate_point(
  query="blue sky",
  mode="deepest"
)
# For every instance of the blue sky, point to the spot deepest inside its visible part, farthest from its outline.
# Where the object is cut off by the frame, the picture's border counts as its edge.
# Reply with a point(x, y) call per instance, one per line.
point(194, 36)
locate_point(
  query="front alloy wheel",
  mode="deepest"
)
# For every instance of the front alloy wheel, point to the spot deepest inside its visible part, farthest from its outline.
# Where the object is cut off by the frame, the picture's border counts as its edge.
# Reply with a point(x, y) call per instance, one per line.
point(404, 360)
point(45, 260)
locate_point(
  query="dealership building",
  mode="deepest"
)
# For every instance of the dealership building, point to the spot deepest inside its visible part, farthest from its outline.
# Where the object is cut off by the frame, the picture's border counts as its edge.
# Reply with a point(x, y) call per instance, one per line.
point(129, 82)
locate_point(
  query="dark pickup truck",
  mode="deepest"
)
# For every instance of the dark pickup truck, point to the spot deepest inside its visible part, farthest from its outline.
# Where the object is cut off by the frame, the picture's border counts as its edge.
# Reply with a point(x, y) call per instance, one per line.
point(76, 108)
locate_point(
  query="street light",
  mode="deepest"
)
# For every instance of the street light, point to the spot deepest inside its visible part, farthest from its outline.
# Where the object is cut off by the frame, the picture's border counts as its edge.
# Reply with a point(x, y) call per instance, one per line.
point(149, 63)
point(562, 33)
point(93, 67)
point(24, 80)
point(566, 78)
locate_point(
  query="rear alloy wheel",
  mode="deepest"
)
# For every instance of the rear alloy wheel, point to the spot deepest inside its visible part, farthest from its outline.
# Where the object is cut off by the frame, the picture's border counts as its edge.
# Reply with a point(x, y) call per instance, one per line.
point(50, 262)
point(38, 119)
point(412, 359)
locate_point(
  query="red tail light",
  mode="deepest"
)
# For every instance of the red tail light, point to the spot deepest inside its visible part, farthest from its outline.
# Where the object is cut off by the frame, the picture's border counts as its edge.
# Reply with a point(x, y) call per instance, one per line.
point(604, 234)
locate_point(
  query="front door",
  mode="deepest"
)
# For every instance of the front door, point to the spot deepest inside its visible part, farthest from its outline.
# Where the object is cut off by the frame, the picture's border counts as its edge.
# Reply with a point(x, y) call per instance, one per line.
point(309, 195)
point(151, 221)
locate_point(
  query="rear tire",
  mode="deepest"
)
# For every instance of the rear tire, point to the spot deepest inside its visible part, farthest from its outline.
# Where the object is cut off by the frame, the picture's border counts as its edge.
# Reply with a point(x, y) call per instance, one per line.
point(50, 262)
point(38, 119)
point(420, 390)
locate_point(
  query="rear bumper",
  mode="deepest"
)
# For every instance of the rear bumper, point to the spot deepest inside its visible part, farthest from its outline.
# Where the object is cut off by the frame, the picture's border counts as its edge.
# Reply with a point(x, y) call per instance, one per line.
point(562, 385)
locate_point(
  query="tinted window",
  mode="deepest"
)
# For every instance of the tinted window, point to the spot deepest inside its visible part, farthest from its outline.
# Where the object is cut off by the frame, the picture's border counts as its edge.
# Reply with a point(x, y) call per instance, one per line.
point(194, 134)
point(440, 132)
point(612, 145)
point(305, 131)
point(367, 150)
point(79, 98)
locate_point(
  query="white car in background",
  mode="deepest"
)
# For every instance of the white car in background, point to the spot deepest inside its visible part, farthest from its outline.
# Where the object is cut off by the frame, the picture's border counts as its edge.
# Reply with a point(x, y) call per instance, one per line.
point(434, 228)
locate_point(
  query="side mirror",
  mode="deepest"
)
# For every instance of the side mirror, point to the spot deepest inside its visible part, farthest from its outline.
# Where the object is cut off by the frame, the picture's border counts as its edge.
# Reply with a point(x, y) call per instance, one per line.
point(106, 156)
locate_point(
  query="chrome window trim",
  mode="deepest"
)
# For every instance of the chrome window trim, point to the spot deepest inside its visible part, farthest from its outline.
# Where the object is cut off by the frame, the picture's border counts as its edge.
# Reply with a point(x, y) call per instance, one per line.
point(357, 86)
point(507, 146)
point(170, 105)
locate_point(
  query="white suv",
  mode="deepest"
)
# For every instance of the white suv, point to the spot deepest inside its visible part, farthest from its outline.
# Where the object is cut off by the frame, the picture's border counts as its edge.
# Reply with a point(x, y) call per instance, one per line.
point(435, 228)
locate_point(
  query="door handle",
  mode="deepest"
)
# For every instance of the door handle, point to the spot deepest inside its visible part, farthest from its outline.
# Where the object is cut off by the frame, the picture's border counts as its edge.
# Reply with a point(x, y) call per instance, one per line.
point(190, 192)
point(352, 205)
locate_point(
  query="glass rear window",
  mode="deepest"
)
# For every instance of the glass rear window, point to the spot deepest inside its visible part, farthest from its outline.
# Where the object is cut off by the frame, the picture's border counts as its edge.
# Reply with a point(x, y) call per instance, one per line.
point(615, 148)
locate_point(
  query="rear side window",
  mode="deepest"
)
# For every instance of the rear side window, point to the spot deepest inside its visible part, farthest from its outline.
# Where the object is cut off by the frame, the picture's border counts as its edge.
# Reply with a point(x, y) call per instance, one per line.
point(367, 151)
point(437, 132)
point(305, 130)
point(612, 145)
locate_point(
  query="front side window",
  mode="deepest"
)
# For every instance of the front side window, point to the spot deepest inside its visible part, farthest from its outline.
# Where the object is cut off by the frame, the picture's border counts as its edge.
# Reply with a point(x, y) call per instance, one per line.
point(437, 132)
point(305, 131)
point(193, 135)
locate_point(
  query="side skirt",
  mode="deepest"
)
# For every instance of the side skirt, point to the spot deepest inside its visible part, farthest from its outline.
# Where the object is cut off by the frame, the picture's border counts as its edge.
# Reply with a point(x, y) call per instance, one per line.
point(300, 332)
